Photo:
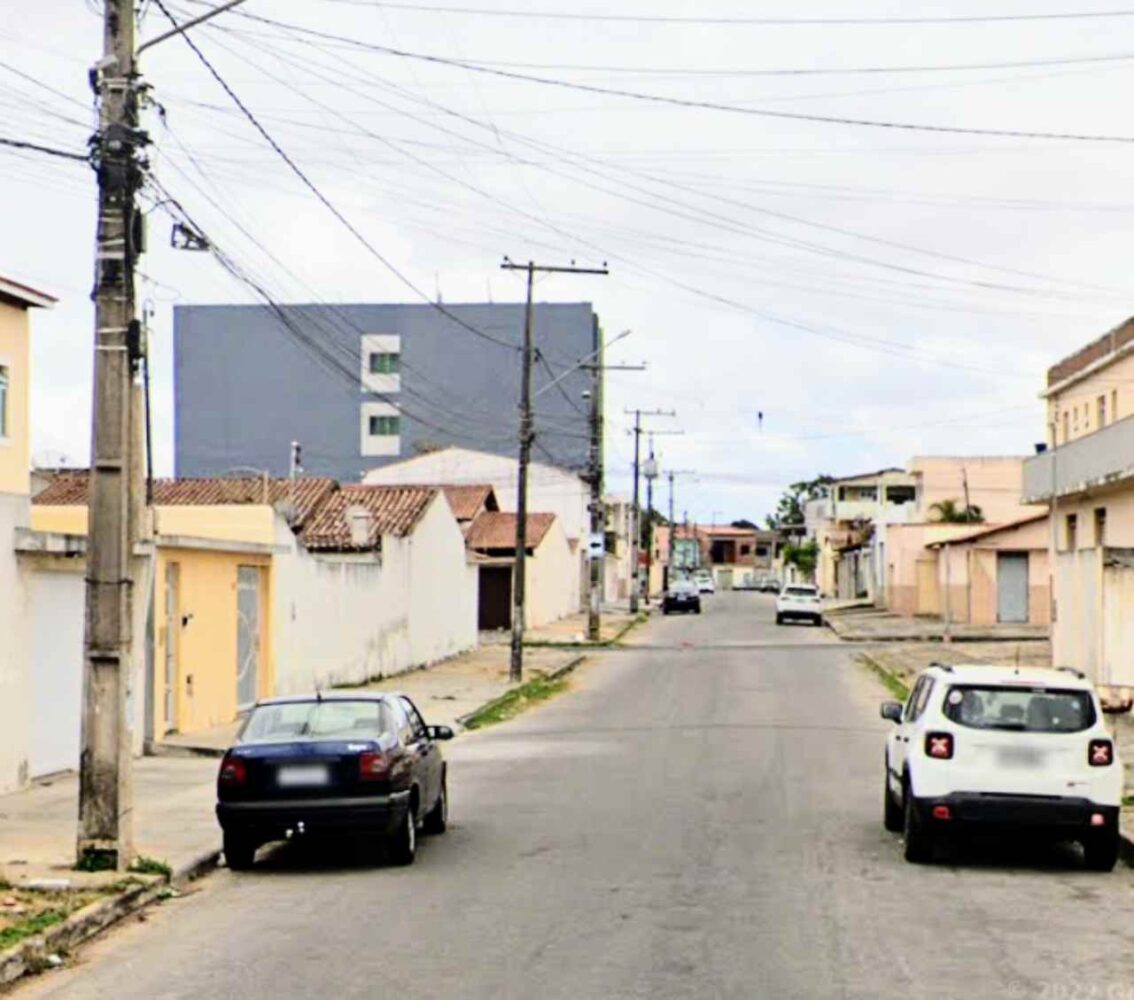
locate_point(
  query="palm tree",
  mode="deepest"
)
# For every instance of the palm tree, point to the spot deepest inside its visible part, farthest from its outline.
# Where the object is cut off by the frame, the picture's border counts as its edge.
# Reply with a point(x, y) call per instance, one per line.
point(951, 512)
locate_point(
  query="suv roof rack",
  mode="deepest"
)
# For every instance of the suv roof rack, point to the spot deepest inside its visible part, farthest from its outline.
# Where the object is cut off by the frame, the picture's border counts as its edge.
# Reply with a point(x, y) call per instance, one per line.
point(1071, 670)
point(942, 666)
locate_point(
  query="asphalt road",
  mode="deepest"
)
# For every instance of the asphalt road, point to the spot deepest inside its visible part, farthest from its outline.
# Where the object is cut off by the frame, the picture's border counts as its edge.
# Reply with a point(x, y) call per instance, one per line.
point(702, 820)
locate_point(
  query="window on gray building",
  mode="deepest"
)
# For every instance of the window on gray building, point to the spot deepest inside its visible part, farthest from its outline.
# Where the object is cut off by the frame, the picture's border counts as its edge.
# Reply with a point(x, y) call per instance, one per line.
point(385, 363)
point(383, 426)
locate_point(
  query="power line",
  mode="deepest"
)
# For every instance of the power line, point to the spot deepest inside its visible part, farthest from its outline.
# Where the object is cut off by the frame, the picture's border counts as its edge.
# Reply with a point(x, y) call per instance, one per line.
point(706, 20)
point(728, 221)
point(324, 200)
point(35, 147)
point(687, 102)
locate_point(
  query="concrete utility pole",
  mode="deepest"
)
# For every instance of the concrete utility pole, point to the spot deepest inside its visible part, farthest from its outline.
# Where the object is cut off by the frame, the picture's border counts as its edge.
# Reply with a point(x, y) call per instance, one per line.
point(672, 526)
point(651, 473)
point(105, 836)
point(116, 499)
point(527, 436)
point(636, 514)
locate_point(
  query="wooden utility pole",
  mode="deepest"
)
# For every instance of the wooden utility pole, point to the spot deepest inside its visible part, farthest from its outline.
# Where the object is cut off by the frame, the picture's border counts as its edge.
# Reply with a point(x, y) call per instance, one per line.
point(105, 808)
point(527, 436)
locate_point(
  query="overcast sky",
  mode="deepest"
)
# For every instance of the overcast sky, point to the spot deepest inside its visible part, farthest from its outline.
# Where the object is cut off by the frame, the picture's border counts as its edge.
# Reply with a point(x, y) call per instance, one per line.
point(875, 292)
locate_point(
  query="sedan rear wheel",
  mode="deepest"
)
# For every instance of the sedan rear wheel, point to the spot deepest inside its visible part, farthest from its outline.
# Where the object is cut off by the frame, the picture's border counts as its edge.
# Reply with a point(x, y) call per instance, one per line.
point(403, 844)
point(239, 852)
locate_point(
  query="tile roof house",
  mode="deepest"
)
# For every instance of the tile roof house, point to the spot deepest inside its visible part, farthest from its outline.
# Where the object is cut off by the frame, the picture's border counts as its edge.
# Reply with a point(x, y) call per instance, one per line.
point(494, 533)
point(549, 568)
point(70, 488)
point(355, 518)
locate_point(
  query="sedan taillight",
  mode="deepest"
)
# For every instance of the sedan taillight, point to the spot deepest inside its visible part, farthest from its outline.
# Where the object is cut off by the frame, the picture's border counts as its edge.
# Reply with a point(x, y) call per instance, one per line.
point(939, 745)
point(1100, 753)
point(373, 765)
point(233, 771)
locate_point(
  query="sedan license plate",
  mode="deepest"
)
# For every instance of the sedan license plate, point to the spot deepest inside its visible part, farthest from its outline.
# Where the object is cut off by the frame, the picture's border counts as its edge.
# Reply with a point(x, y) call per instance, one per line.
point(1021, 757)
point(302, 775)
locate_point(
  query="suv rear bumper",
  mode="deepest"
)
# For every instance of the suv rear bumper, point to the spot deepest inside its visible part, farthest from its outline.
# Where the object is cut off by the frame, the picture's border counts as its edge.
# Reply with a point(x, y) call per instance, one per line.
point(1039, 813)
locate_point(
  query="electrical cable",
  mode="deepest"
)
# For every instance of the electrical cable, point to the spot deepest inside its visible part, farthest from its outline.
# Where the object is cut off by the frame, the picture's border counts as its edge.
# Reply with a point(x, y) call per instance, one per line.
point(685, 102)
point(323, 199)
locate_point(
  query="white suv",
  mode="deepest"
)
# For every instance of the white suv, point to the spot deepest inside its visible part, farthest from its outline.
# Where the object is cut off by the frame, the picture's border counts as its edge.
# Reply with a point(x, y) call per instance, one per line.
point(1004, 749)
point(799, 600)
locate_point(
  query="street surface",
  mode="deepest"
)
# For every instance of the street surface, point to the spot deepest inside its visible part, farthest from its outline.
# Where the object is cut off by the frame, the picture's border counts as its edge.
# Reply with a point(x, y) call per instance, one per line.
point(685, 822)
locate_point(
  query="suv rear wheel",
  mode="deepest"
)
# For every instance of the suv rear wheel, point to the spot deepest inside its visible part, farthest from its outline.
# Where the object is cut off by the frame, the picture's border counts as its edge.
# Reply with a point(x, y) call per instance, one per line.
point(1100, 851)
point(919, 841)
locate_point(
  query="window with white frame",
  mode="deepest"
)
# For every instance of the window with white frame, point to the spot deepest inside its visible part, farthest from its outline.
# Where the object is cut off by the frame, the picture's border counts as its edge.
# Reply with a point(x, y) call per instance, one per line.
point(385, 363)
point(382, 425)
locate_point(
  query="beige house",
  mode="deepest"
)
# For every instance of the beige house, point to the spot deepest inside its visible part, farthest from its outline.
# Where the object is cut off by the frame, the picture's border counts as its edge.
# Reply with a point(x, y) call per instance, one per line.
point(18, 697)
point(1086, 472)
point(548, 569)
point(557, 491)
point(994, 575)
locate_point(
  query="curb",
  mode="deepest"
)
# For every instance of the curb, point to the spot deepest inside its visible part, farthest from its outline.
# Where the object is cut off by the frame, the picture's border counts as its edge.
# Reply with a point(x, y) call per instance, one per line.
point(182, 752)
point(33, 954)
point(587, 643)
point(554, 675)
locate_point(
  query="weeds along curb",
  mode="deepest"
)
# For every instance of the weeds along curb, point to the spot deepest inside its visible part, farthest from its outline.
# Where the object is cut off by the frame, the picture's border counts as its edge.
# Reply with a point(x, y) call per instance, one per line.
point(33, 953)
point(490, 706)
point(894, 684)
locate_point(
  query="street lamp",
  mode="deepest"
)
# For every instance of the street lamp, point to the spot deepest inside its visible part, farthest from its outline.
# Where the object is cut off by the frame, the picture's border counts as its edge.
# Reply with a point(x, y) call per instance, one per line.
point(650, 470)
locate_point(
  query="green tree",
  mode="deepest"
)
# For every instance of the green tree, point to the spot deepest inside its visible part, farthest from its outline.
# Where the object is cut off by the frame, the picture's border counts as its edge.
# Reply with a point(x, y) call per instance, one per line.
point(953, 512)
point(789, 510)
point(804, 557)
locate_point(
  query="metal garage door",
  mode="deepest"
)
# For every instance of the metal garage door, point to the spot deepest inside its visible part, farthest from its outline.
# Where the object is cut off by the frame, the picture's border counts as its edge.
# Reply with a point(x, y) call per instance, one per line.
point(57, 683)
point(1012, 586)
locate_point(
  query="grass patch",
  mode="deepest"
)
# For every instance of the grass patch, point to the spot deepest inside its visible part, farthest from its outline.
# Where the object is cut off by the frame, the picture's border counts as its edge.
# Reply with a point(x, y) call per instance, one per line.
point(538, 689)
point(15, 932)
point(151, 866)
point(27, 912)
point(893, 684)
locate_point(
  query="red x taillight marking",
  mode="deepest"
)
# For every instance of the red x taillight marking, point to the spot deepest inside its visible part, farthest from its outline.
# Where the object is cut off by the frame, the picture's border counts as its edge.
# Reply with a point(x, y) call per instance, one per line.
point(1100, 753)
point(940, 746)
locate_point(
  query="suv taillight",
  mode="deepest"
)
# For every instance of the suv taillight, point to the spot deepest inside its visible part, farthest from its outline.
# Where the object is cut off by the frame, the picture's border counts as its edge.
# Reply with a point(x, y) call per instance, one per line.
point(373, 765)
point(233, 771)
point(939, 746)
point(1100, 753)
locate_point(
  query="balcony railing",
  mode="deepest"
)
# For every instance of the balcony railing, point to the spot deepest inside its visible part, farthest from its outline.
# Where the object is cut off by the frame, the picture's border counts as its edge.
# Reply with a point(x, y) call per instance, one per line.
point(1094, 460)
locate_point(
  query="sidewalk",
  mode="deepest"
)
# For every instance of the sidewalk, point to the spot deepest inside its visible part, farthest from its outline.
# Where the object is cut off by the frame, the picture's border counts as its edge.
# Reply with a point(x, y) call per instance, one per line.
point(174, 797)
point(572, 630)
point(876, 625)
point(174, 791)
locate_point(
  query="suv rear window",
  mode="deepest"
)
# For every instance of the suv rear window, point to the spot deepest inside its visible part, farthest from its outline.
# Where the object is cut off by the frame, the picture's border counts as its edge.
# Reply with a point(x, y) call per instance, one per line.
point(800, 591)
point(1022, 709)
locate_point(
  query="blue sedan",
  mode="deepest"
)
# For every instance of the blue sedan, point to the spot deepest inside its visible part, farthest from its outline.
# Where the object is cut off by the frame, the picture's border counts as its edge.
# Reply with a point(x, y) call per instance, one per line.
point(331, 764)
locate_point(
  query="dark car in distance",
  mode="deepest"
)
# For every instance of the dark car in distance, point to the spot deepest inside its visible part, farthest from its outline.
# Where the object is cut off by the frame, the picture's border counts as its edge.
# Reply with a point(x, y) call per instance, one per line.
point(361, 764)
point(683, 595)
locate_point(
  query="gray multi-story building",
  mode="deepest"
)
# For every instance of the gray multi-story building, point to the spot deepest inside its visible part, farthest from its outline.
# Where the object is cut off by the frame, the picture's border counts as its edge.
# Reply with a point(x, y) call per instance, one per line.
point(360, 386)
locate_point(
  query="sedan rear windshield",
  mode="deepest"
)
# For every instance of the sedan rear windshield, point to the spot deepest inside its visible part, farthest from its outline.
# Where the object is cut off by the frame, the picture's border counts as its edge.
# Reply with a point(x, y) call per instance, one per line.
point(1023, 709)
point(318, 720)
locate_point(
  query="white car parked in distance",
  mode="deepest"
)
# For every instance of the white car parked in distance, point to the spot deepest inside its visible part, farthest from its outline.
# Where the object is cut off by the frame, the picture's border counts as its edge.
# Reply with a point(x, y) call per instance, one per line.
point(1007, 750)
point(799, 600)
point(704, 580)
